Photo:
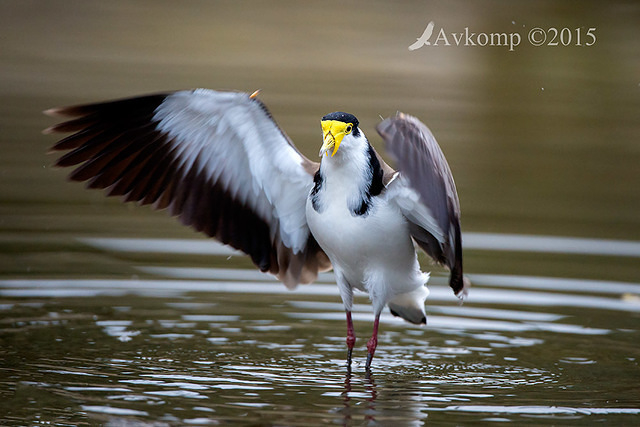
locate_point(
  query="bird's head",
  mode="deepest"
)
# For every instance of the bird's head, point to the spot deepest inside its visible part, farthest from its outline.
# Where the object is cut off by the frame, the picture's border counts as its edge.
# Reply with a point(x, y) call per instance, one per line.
point(339, 129)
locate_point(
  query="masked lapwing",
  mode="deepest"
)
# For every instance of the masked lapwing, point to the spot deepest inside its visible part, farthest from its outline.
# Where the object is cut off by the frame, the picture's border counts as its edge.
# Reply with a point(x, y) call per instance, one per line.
point(220, 163)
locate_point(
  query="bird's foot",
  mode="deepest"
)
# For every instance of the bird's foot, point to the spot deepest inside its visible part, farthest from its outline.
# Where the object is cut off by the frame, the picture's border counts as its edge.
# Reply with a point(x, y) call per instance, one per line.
point(371, 347)
point(367, 367)
point(373, 343)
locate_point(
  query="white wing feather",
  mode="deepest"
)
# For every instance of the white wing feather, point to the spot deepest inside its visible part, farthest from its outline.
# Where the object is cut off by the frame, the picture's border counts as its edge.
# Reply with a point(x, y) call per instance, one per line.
point(408, 200)
point(226, 134)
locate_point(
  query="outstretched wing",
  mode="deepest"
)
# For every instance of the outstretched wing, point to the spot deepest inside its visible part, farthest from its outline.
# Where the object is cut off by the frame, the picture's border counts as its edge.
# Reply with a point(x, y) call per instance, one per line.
point(425, 192)
point(217, 160)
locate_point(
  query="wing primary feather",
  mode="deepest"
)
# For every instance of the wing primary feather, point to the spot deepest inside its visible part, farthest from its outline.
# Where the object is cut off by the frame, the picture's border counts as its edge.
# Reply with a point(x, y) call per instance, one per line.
point(73, 125)
point(158, 182)
point(115, 153)
point(120, 160)
point(147, 178)
point(135, 177)
point(75, 140)
point(109, 109)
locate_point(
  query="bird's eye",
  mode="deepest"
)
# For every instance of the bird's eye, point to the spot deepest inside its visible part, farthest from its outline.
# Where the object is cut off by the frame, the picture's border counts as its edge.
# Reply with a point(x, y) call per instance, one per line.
point(348, 129)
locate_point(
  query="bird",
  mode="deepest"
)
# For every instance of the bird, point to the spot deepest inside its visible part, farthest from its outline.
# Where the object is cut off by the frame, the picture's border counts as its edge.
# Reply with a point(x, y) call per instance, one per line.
point(219, 162)
point(423, 40)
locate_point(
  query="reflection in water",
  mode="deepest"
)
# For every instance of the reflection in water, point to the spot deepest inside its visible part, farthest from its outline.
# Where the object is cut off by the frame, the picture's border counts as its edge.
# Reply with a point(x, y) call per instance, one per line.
point(360, 402)
point(152, 354)
point(370, 388)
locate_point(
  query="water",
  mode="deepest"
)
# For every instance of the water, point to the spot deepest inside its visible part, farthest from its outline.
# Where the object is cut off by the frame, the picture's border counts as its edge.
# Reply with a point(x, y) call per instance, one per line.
point(189, 349)
point(117, 315)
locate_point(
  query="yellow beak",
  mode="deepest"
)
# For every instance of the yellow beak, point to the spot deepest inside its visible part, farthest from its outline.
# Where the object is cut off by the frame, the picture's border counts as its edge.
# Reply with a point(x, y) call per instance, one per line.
point(332, 132)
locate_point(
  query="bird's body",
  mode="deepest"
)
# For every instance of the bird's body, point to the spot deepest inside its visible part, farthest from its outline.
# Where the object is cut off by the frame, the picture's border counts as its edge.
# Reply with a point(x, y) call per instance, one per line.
point(382, 260)
point(219, 162)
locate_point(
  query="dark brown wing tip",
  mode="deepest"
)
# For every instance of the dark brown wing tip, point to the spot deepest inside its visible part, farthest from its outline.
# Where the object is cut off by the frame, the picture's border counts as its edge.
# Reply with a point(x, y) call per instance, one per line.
point(53, 112)
point(61, 112)
point(81, 110)
point(60, 128)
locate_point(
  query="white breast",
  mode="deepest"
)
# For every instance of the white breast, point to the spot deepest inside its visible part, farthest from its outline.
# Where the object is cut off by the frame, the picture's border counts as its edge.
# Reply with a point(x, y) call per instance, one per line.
point(374, 252)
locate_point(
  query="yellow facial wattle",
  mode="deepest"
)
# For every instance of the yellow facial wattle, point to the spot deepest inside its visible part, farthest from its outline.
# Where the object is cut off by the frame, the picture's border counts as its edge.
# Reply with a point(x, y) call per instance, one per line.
point(332, 132)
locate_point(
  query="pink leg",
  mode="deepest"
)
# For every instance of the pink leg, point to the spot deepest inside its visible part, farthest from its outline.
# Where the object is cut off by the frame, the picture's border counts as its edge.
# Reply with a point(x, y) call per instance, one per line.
point(351, 337)
point(373, 342)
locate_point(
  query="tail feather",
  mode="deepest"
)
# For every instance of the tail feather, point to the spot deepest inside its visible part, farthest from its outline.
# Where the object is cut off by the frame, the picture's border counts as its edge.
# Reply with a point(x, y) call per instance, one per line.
point(410, 306)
